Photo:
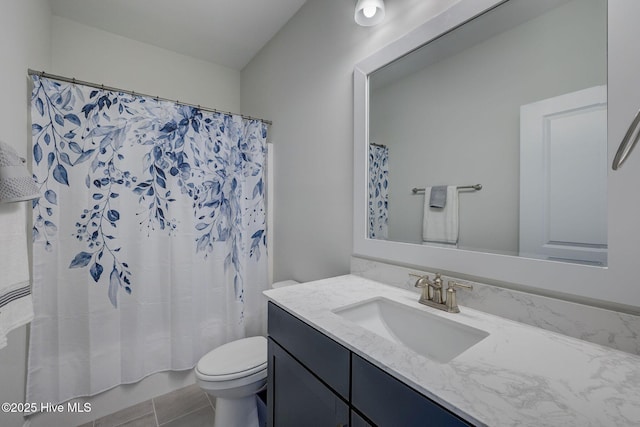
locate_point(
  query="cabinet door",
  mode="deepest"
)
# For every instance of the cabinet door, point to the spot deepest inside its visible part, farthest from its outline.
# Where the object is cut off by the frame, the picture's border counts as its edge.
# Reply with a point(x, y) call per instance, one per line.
point(358, 421)
point(388, 402)
point(297, 398)
point(320, 354)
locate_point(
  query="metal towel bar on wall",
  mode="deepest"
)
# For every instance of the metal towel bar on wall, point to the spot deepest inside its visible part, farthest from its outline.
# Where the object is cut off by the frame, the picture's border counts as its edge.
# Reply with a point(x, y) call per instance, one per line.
point(628, 142)
point(476, 187)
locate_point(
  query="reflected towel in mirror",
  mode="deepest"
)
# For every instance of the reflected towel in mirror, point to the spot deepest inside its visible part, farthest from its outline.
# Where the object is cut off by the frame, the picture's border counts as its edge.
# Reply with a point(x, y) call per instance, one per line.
point(441, 224)
point(438, 196)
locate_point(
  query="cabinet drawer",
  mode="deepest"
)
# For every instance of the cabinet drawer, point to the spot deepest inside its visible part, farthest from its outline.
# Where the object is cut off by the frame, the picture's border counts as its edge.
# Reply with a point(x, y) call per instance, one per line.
point(388, 402)
point(320, 354)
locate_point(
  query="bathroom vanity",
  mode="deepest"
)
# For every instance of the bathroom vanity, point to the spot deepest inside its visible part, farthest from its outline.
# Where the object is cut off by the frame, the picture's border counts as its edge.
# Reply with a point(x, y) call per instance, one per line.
point(314, 380)
point(330, 363)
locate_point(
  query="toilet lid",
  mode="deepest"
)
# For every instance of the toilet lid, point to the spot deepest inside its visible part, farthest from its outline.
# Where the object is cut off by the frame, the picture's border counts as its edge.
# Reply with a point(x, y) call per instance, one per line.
point(235, 359)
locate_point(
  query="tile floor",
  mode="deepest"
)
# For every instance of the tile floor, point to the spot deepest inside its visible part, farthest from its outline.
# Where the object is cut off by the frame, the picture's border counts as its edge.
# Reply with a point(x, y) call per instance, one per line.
point(186, 407)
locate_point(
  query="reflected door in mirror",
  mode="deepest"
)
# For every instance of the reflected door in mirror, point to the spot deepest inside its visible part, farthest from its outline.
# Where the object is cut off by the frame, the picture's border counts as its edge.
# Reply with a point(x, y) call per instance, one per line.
point(563, 177)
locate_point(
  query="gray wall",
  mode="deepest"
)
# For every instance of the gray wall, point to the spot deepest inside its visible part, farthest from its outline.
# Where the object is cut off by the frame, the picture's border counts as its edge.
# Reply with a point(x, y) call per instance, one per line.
point(457, 122)
point(303, 81)
point(128, 64)
point(24, 42)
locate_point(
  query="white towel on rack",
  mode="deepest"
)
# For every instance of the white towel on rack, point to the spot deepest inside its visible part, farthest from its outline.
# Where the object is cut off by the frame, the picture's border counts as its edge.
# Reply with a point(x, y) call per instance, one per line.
point(440, 225)
point(16, 307)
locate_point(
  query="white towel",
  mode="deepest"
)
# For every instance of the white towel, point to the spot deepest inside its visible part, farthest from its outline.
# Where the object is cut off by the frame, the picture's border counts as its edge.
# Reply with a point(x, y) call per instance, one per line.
point(16, 307)
point(440, 225)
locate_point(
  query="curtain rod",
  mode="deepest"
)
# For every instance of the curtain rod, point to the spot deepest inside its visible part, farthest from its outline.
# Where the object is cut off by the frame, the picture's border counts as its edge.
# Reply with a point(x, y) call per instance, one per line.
point(157, 98)
point(377, 145)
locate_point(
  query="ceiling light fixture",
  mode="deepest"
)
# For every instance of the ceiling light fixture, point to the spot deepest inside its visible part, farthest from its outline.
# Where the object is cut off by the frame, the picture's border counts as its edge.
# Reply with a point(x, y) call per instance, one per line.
point(369, 12)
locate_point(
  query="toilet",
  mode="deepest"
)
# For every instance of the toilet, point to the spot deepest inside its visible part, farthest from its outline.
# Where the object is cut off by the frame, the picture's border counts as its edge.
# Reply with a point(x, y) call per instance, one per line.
point(233, 373)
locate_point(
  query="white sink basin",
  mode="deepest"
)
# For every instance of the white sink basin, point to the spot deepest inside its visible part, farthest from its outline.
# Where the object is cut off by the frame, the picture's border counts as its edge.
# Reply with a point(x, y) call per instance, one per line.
point(432, 336)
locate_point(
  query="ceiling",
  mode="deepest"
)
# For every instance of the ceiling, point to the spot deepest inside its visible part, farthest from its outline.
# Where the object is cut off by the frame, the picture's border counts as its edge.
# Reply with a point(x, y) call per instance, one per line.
point(225, 32)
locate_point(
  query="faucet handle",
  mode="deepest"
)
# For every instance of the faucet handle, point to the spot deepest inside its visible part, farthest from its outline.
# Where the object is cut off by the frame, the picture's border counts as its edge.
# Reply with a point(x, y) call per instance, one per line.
point(423, 280)
point(424, 283)
point(452, 284)
point(451, 302)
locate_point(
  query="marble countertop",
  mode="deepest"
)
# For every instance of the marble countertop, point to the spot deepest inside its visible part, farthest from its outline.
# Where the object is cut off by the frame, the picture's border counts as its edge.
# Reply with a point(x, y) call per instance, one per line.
point(517, 376)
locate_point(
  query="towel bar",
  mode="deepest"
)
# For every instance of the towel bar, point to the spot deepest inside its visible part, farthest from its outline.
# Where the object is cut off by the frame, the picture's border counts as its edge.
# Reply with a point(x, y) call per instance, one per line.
point(476, 187)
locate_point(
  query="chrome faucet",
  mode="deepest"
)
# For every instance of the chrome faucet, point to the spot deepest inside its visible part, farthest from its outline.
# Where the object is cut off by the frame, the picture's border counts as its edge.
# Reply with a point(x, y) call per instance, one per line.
point(432, 292)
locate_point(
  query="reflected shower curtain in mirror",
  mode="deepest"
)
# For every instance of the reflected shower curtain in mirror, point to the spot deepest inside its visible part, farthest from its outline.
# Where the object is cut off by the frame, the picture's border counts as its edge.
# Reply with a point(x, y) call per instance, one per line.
point(378, 191)
point(148, 238)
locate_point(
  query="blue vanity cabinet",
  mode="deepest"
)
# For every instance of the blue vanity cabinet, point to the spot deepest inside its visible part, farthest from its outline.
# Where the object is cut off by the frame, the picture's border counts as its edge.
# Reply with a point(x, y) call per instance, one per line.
point(314, 381)
point(308, 375)
point(389, 402)
point(298, 398)
point(358, 421)
point(327, 359)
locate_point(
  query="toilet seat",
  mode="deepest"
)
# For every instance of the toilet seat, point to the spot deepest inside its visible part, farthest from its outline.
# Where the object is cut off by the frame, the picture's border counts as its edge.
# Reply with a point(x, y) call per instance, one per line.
point(234, 360)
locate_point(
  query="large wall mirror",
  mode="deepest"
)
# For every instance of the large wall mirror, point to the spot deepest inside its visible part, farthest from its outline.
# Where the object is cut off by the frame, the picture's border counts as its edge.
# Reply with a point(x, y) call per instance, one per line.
point(511, 109)
point(507, 103)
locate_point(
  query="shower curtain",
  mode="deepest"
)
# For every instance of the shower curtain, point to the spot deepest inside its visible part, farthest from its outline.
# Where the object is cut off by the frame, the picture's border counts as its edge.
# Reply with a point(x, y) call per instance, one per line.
point(148, 238)
point(378, 191)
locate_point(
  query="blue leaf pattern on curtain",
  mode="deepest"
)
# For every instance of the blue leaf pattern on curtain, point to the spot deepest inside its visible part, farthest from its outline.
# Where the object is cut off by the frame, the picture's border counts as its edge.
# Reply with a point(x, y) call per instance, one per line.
point(149, 238)
point(378, 191)
point(211, 160)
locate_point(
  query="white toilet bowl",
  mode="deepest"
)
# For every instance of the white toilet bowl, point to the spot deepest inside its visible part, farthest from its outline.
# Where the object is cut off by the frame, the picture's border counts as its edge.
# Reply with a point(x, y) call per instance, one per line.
point(233, 373)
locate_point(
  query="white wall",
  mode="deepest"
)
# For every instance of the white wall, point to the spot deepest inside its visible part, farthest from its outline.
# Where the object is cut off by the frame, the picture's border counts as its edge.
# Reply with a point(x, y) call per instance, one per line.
point(90, 54)
point(303, 81)
point(24, 42)
point(457, 121)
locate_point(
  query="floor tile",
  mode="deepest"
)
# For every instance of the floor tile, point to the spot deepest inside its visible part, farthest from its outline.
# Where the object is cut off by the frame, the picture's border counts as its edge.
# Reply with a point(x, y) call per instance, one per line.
point(212, 400)
point(201, 418)
point(89, 424)
point(183, 401)
point(148, 420)
point(131, 413)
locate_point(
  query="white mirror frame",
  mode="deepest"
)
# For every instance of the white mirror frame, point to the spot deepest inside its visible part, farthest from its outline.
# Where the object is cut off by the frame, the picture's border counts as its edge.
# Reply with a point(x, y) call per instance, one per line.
point(618, 283)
